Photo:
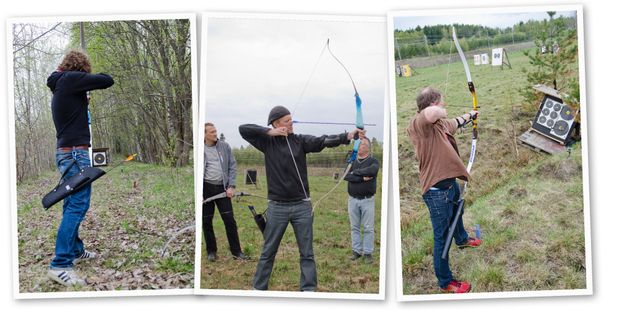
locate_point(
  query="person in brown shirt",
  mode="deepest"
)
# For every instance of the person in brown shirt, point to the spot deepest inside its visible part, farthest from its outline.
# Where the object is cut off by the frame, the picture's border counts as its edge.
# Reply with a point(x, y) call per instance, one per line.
point(432, 135)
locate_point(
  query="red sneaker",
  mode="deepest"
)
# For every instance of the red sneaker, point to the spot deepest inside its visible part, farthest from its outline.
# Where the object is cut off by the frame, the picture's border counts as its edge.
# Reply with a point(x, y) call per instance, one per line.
point(457, 287)
point(471, 243)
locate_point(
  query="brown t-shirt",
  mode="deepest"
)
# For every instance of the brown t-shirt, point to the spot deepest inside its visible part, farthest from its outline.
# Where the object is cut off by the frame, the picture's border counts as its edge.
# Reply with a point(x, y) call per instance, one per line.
point(435, 150)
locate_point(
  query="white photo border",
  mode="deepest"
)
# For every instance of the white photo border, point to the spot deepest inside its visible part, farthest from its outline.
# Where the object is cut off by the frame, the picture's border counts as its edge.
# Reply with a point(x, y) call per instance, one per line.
point(395, 182)
point(12, 156)
point(205, 16)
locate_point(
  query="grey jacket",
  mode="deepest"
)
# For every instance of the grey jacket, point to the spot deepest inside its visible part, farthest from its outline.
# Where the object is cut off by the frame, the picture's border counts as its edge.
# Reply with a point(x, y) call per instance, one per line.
point(228, 163)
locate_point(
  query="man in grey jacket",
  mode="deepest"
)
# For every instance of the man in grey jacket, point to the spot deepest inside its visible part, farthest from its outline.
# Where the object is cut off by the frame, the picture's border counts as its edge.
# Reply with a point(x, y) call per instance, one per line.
point(219, 177)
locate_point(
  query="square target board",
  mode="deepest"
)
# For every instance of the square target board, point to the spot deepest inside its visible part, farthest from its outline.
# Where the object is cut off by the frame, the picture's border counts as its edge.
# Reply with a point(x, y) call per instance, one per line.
point(555, 119)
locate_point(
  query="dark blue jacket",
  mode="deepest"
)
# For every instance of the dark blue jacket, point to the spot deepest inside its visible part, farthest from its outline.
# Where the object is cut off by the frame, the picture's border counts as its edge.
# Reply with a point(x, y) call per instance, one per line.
point(69, 104)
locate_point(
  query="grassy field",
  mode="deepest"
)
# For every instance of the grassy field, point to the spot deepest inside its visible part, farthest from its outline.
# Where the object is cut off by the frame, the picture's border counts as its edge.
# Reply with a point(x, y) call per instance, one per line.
point(332, 243)
point(529, 205)
point(135, 209)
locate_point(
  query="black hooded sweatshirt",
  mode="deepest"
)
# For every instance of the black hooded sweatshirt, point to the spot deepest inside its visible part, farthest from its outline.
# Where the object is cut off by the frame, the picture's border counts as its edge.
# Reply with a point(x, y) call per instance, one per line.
point(69, 104)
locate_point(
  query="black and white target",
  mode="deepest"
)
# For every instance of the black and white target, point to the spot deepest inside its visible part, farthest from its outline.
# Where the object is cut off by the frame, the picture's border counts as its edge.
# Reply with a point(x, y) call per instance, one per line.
point(99, 158)
point(554, 119)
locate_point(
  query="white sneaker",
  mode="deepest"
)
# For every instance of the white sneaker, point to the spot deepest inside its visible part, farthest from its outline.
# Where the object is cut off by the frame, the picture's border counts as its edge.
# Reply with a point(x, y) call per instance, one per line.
point(85, 256)
point(65, 276)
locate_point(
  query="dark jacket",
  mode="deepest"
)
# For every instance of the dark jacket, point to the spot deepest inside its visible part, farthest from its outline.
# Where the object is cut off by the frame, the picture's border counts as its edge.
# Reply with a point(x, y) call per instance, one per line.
point(356, 186)
point(281, 174)
point(69, 104)
point(228, 163)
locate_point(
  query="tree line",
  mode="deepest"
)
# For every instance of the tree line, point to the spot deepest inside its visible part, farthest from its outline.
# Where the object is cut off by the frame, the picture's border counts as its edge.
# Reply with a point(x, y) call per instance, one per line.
point(437, 39)
point(328, 157)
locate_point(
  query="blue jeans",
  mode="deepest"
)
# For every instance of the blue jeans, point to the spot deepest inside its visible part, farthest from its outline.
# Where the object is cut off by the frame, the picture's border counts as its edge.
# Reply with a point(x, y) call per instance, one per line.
point(442, 207)
point(68, 244)
point(278, 216)
point(362, 215)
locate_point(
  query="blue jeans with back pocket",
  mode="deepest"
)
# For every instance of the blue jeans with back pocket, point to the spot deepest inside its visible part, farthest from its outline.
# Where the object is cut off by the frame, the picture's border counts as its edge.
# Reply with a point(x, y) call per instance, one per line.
point(68, 244)
point(442, 207)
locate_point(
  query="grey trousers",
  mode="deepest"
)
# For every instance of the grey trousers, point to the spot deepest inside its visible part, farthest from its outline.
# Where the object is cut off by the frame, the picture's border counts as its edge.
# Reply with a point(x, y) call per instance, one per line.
point(279, 215)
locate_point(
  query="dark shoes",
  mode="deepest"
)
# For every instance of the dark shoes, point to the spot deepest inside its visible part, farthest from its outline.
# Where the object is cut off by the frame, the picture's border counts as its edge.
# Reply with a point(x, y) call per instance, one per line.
point(355, 255)
point(457, 287)
point(241, 256)
point(212, 257)
point(471, 243)
point(368, 258)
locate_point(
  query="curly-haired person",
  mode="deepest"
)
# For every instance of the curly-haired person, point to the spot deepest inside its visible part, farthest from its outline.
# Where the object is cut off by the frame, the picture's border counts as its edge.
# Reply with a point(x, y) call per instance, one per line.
point(70, 84)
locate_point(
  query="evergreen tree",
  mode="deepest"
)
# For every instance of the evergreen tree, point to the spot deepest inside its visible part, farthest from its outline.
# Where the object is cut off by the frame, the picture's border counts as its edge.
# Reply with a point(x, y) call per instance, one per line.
point(554, 61)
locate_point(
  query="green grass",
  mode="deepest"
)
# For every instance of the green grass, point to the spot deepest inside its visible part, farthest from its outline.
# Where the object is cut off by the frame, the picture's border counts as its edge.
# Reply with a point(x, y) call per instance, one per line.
point(331, 243)
point(134, 210)
point(529, 205)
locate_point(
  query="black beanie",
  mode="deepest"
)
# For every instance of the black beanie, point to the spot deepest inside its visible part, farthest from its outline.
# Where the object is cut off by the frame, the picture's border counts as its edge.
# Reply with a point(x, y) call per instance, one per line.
point(276, 113)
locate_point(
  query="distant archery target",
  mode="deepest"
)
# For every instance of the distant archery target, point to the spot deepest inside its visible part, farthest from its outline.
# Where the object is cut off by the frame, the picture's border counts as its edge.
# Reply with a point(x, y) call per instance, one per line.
point(554, 119)
point(100, 157)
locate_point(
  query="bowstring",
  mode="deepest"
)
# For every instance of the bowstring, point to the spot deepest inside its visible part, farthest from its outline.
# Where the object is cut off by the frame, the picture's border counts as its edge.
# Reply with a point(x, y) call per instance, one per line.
point(293, 113)
point(445, 93)
point(297, 170)
point(323, 49)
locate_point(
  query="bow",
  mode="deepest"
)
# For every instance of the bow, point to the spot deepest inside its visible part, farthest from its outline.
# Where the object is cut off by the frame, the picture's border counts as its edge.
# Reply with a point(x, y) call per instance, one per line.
point(472, 89)
point(472, 153)
point(359, 124)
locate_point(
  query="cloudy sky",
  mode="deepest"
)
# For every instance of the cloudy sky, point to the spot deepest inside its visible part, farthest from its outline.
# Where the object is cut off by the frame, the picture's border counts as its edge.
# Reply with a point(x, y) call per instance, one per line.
point(486, 18)
point(255, 63)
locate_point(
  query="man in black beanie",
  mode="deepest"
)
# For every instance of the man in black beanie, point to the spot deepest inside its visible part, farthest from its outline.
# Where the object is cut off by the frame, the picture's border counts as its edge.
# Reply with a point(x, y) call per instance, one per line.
point(288, 190)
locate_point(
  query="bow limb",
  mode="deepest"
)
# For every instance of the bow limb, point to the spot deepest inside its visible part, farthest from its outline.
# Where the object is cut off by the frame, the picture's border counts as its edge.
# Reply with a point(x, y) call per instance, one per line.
point(359, 125)
point(359, 118)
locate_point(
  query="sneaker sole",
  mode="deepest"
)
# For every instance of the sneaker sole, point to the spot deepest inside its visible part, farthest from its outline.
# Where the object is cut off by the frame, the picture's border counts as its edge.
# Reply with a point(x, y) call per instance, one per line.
point(59, 281)
point(468, 246)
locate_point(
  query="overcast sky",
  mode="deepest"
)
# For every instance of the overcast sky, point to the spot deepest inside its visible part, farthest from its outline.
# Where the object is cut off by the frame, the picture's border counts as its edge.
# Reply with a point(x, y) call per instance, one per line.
point(253, 64)
point(490, 19)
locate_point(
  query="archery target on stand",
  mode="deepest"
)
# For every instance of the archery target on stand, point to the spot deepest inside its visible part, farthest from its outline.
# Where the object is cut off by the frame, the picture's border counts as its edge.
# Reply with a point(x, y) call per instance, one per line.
point(484, 59)
point(497, 56)
point(99, 157)
point(406, 69)
point(554, 119)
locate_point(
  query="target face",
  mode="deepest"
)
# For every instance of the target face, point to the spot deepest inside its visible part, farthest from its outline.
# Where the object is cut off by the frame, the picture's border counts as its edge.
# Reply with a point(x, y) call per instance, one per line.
point(99, 158)
point(561, 127)
point(554, 118)
point(566, 113)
